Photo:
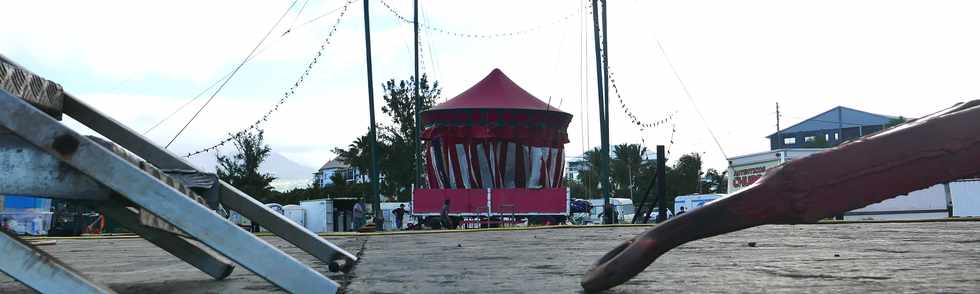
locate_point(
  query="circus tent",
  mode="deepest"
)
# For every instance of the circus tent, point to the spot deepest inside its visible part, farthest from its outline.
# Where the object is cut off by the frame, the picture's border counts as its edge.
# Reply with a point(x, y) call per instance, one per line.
point(494, 135)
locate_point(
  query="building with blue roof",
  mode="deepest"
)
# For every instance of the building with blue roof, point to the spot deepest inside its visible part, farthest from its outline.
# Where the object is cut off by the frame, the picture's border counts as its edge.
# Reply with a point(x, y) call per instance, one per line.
point(833, 126)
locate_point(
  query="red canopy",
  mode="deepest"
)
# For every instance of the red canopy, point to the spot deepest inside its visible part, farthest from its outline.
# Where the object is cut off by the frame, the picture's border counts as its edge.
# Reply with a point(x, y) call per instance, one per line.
point(496, 91)
point(497, 108)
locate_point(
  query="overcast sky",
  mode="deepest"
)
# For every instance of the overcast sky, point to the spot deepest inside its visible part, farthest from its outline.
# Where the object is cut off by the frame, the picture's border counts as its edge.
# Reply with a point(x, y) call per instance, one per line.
point(140, 60)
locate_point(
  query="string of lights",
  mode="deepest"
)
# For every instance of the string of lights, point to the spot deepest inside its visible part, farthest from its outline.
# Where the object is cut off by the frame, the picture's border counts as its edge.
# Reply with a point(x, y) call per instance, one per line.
point(643, 126)
point(669, 118)
point(421, 56)
point(629, 113)
point(250, 58)
point(485, 35)
point(288, 93)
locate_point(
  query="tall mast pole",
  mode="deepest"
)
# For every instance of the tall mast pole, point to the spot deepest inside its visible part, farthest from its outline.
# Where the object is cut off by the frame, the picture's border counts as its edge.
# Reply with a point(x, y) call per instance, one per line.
point(418, 104)
point(375, 193)
point(604, 152)
point(605, 105)
point(779, 141)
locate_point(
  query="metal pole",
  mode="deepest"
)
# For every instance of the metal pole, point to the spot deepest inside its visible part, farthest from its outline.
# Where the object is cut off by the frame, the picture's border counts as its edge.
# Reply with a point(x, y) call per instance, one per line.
point(661, 183)
point(418, 104)
point(949, 200)
point(779, 141)
point(603, 166)
point(375, 194)
point(605, 106)
point(643, 202)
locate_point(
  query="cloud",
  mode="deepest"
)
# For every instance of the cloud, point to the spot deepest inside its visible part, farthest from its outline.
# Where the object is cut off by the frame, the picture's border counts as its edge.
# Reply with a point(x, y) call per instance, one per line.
point(737, 60)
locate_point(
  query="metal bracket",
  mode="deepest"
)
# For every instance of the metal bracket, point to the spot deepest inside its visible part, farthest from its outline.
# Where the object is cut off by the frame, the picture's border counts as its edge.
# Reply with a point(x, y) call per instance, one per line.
point(42, 272)
point(230, 197)
point(212, 264)
point(195, 219)
point(30, 171)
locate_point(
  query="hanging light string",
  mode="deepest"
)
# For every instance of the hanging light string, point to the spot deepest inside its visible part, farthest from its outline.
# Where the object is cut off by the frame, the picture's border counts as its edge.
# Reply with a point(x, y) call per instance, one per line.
point(487, 35)
point(286, 94)
point(629, 113)
point(673, 130)
point(421, 56)
point(231, 75)
point(643, 126)
point(250, 58)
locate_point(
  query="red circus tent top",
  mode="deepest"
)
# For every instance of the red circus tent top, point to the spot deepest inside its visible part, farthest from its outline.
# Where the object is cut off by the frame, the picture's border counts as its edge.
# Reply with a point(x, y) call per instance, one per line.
point(495, 91)
point(497, 108)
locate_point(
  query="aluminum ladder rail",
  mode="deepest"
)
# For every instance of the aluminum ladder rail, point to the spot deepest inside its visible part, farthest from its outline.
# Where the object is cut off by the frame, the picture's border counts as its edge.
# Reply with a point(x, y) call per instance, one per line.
point(31, 124)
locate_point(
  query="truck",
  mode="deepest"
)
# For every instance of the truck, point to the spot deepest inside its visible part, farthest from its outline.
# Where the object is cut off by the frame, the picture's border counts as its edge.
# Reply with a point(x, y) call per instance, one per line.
point(691, 202)
point(623, 206)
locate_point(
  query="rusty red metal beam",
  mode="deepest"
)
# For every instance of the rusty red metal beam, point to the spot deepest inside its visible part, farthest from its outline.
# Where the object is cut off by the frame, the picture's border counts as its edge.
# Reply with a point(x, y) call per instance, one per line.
point(941, 147)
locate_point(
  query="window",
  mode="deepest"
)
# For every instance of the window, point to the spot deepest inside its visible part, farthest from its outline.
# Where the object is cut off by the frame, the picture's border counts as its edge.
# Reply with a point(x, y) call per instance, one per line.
point(836, 136)
point(789, 141)
point(826, 137)
point(809, 139)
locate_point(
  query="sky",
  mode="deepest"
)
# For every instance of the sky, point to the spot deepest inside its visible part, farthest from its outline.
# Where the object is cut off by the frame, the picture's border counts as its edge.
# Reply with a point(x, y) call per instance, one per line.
point(139, 61)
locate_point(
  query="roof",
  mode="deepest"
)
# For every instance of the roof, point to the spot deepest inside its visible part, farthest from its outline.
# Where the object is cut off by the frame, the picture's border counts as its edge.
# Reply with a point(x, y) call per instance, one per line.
point(848, 118)
point(495, 91)
point(334, 163)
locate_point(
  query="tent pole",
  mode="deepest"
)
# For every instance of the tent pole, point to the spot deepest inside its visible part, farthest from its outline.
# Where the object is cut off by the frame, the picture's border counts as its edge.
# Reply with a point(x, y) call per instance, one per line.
point(375, 194)
point(602, 75)
point(605, 104)
point(418, 104)
point(603, 172)
point(661, 184)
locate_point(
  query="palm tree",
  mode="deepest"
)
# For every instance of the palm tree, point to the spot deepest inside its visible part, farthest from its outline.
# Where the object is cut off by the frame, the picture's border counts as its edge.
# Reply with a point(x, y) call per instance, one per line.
point(589, 176)
point(626, 167)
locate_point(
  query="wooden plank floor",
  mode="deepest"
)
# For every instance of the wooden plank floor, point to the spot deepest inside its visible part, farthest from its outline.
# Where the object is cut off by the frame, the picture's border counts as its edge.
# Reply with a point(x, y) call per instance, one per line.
point(851, 258)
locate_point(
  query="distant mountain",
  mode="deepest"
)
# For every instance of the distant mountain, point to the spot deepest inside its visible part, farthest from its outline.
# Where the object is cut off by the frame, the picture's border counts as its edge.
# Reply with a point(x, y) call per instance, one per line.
point(289, 174)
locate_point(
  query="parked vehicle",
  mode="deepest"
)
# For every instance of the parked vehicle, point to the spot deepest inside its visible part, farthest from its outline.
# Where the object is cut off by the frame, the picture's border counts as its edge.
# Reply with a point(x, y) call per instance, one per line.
point(691, 202)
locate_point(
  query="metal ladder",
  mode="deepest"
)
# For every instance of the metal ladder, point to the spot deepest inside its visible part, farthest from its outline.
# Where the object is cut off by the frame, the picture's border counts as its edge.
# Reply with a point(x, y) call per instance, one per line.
point(43, 157)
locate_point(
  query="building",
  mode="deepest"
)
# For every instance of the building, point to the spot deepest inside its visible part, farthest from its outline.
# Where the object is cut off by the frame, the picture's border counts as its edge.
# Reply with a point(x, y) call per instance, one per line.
point(833, 126)
point(744, 170)
point(323, 176)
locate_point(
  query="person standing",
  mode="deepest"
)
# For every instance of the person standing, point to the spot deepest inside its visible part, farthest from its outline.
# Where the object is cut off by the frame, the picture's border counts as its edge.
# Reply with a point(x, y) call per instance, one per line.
point(358, 214)
point(399, 215)
point(609, 214)
point(445, 214)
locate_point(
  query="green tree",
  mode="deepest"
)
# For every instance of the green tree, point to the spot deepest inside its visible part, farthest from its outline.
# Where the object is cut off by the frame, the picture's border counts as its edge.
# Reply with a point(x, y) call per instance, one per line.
point(625, 169)
point(357, 155)
point(714, 182)
point(242, 168)
point(817, 142)
point(684, 177)
point(588, 176)
point(896, 121)
point(396, 142)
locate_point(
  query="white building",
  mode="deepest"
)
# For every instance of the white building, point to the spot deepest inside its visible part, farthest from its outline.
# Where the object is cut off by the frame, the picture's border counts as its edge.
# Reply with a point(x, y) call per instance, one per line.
point(323, 176)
